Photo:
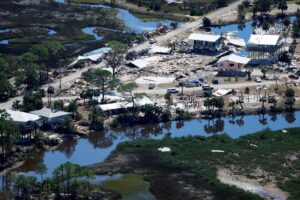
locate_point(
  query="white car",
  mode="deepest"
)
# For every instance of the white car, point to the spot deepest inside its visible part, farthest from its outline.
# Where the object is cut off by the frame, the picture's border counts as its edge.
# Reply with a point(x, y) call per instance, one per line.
point(152, 41)
point(172, 90)
point(258, 80)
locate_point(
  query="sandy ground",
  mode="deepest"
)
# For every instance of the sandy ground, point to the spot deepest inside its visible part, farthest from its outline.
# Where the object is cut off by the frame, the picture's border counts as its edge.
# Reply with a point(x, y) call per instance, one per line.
point(145, 80)
point(268, 191)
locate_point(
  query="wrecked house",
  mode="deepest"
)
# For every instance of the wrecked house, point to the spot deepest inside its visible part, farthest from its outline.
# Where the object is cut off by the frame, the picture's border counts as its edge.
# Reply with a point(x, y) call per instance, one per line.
point(264, 49)
point(200, 42)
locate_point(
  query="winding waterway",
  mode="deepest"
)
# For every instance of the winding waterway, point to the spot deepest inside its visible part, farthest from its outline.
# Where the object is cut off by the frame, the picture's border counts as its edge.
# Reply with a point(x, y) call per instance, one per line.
point(132, 22)
point(96, 147)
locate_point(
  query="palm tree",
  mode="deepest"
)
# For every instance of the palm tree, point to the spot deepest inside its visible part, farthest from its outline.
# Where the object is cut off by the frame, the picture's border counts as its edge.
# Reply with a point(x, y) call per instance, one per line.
point(247, 91)
point(282, 5)
point(290, 99)
point(73, 108)
point(240, 101)
point(50, 92)
point(264, 70)
point(181, 84)
point(83, 96)
point(249, 72)
point(232, 105)
point(41, 169)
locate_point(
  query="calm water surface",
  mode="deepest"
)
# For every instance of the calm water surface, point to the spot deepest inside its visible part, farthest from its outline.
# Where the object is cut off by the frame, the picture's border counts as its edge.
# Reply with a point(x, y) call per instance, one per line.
point(98, 146)
point(131, 21)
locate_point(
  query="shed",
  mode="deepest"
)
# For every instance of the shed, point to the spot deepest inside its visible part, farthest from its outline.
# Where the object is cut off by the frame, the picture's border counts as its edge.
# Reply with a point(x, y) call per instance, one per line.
point(221, 93)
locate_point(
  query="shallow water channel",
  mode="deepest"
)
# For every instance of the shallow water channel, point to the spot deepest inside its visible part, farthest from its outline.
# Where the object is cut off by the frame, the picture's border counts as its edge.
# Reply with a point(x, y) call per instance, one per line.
point(132, 22)
point(96, 147)
point(51, 32)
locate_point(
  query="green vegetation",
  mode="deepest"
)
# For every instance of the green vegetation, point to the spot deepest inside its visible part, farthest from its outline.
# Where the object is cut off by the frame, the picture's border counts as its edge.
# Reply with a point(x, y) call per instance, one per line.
point(68, 181)
point(127, 185)
point(9, 133)
point(267, 150)
point(188, 7)
point(115, 57)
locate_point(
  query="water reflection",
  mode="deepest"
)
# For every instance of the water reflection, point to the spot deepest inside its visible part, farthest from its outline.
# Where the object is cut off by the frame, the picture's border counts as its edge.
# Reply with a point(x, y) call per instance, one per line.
point(4, 42)
point(98, 146)
point(243, 30)
point(68, 148)
point(290, 118)
point(214, 126)
point(101, 140)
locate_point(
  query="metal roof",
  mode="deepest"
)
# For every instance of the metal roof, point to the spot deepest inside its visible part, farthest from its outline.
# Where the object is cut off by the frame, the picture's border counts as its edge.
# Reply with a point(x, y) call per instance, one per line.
point(119, 105)
point(22, 117)
point(235, 58)
point(162, 50)
point(257, 40)
point(49, 113)
point(204, 37)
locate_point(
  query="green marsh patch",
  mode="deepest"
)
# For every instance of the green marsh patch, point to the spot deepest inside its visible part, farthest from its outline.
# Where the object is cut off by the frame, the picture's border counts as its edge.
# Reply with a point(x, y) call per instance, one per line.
point(130, 186)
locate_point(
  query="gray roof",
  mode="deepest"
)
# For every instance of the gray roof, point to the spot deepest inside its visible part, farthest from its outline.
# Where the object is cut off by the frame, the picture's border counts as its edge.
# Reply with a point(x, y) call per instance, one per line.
point(50, 113)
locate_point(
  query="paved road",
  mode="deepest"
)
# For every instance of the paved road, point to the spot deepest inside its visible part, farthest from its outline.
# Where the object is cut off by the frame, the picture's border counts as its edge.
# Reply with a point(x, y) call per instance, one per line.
point(69, 80)
point(161, 91)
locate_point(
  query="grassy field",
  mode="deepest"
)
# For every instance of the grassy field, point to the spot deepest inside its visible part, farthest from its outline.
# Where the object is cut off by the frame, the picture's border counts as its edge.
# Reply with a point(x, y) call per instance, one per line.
point(274, 152)
point(128, 185)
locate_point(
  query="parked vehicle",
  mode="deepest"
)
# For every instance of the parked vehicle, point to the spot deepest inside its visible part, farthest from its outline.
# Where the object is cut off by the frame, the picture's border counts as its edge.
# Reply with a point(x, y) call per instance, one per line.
point(258, 80)
point(294, 76)
point(172, 90)
point(207, 88)
point(215, 81)
point(151, 86)
point(152, 41)
point(192, 83)
point(183, 98)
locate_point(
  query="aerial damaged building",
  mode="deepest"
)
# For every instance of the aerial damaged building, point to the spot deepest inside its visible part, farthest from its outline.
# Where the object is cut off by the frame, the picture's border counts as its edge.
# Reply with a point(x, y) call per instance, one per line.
point(200, 42)
point(264, 49)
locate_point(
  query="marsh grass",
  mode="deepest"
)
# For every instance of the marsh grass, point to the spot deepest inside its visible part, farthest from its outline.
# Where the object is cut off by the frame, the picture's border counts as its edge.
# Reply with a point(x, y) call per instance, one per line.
point(127, 185)
point(267, 150)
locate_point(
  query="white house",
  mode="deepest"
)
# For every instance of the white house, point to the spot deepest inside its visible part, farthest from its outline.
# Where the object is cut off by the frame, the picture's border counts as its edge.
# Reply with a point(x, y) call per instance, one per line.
point(122, 107)
point(264, 49)
point(93, 56)
point(22, 118)
point(26, 121)
point(204, 42)
point(51, 116)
